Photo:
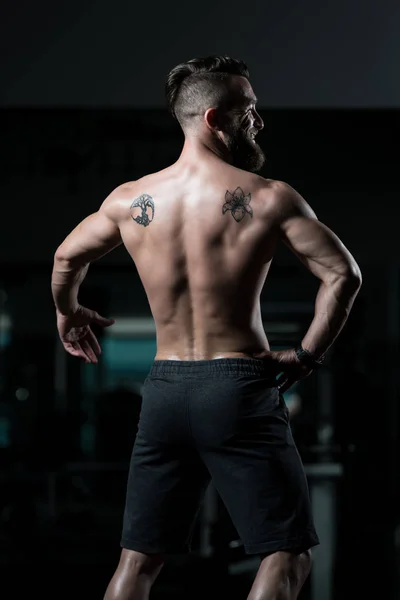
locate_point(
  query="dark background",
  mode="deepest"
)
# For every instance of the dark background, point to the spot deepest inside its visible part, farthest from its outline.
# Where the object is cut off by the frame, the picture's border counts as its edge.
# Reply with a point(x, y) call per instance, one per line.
point(82, 110)
point(309, 54)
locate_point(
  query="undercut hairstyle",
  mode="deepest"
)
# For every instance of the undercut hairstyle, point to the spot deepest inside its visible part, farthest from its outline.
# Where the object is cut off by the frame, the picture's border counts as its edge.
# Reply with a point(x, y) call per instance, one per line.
point(201, 83)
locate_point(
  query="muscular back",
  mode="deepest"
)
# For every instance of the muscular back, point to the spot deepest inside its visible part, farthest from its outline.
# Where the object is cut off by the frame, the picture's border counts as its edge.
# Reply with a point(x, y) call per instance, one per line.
point(202, 235)
point(202, 240)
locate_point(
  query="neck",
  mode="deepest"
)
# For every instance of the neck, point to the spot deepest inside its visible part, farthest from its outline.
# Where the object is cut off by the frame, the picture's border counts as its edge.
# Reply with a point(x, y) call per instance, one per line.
point(198, 146)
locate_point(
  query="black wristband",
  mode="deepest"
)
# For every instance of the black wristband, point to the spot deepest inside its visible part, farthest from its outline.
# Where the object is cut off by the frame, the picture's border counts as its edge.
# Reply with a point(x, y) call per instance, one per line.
point(307, 358)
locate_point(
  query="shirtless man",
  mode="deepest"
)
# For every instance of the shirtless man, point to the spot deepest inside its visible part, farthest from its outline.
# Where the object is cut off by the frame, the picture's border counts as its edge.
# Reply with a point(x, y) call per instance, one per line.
point(202, 234)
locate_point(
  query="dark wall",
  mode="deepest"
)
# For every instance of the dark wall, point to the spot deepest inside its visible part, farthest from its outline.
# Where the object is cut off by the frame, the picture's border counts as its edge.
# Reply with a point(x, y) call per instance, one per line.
point(330, 54)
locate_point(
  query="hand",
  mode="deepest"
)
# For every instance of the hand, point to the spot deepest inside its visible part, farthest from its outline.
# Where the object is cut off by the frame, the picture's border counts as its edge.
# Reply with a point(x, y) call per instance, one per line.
point(76, 335)
point(288, 367)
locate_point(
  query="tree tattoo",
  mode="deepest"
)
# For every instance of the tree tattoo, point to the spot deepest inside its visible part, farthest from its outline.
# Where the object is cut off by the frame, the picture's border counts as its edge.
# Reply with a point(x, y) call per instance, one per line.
point(146, 204)
point(238, 204)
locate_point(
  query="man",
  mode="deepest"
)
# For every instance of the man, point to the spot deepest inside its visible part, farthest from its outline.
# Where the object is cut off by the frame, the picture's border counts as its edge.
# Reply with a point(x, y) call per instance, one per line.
point(202, 234)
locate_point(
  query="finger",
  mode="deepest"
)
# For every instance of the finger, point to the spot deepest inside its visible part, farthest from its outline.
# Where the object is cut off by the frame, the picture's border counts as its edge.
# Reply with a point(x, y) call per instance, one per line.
point(93, 342)
point(102, 321)
point(273, 363)
point(74, 350)
point(88, 350)
point(281, 380)
point(276, 367)
point(80, 351)
point(286, 385)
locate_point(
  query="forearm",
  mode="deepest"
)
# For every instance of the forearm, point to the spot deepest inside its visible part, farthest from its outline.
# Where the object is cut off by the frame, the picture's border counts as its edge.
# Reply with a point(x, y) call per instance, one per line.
point(65, 282)
point(332, 307)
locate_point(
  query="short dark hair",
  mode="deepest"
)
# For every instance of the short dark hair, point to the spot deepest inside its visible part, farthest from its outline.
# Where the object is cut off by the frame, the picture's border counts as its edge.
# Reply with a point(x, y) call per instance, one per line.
point(200, 83)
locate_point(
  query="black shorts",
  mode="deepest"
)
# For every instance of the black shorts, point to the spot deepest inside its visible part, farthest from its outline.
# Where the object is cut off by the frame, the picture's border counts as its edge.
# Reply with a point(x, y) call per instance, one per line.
point(222, 419)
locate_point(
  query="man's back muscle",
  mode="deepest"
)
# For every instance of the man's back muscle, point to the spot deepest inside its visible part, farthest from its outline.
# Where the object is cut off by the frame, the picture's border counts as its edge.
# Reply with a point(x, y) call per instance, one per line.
point(202, 241)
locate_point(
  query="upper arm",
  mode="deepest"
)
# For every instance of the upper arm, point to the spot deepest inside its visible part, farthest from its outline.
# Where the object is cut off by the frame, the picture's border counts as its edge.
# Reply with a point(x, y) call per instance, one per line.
point(317, 246)
point(95, 236)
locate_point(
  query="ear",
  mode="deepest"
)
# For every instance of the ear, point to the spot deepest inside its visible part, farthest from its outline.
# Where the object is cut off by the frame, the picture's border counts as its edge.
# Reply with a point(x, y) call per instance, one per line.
point(211, 119)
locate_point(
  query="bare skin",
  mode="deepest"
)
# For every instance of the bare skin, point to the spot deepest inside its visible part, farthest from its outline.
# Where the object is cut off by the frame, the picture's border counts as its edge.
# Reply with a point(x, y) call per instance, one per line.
point(202, 234)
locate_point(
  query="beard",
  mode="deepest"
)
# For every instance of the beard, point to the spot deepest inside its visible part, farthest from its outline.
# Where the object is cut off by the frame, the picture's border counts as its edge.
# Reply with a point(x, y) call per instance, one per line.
point(246, 153)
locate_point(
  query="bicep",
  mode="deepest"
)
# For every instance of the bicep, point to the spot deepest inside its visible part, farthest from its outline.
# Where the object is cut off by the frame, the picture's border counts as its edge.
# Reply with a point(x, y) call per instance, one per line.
point(94, 237)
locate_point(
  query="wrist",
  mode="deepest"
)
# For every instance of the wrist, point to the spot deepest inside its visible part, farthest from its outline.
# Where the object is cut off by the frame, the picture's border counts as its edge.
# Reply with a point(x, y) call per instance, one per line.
point(308, 358)
point(67, 311)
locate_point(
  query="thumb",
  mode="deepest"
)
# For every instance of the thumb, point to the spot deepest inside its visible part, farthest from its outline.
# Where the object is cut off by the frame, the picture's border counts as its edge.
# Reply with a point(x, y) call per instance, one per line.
point(102, 321)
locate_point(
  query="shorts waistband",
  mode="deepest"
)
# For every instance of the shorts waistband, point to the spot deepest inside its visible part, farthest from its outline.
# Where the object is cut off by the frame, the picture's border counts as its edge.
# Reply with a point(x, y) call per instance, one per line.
point(222, 366)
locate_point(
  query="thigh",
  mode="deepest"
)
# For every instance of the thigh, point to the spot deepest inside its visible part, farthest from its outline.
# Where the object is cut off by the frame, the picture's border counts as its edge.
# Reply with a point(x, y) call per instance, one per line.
point(166, 485)
point(259, 474)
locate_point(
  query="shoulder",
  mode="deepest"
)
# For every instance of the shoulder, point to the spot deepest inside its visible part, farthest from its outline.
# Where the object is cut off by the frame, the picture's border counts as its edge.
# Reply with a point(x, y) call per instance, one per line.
point(282, 199)
point(126, 193)
point(117, 204)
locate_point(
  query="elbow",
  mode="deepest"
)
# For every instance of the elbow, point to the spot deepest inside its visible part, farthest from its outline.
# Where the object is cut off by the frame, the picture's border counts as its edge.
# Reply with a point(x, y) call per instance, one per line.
point(351, 280)
point(346, 281)
point(61, 262)
point(60, 267)
point(355, 277)
point(64, 260)
point(59, 255)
